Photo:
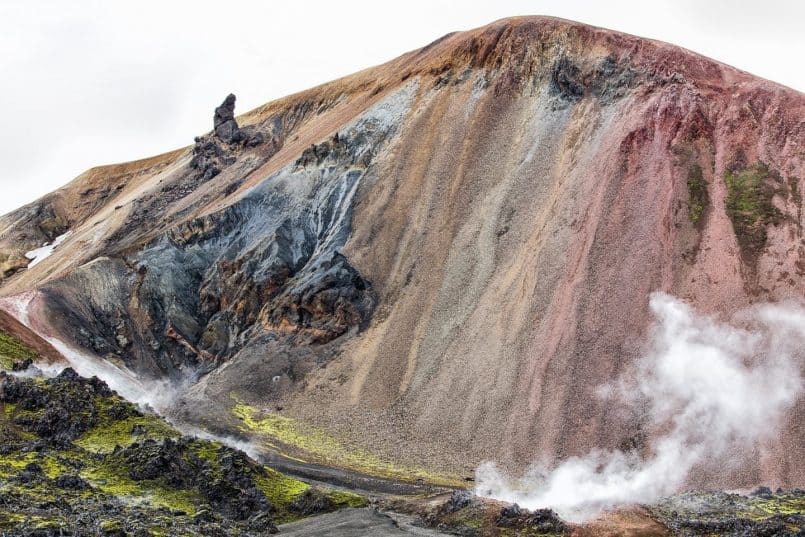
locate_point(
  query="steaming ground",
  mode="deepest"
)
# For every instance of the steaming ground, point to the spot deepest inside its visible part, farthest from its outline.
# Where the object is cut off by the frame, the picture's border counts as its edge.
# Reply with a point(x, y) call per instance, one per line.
point(707, 388)
point(158, 395)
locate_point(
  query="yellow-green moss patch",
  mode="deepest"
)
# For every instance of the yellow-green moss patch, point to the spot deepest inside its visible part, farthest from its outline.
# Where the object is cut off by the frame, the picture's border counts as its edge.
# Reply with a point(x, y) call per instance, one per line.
point(105, 437)
point(13, 350)
point(778, 504)
point(280, 490)
point(114, 480)
point(9, 520)
point(750, 208)
point(347, 499)
point(14, 463)
point(698, 196)
point(281, 433)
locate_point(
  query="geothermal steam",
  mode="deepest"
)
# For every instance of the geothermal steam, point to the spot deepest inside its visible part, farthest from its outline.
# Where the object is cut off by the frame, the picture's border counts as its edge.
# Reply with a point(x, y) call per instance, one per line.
point(158, 394)
point(709, 387)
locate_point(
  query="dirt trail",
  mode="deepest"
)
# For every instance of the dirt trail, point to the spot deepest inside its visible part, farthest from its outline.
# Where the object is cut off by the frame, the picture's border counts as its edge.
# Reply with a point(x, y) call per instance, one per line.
point(355, 523)
point(346, 479)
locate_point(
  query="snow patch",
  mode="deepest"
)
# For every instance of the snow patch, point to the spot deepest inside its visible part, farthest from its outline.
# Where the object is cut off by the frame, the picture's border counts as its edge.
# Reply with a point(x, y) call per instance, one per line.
point(38, 255)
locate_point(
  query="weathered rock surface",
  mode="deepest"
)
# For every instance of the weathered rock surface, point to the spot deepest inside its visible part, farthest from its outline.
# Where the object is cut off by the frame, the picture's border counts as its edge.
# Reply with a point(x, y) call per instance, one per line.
point(224, 125)
point(76, 459)
point(214, 152)
point(443, 257)
point(780, 513)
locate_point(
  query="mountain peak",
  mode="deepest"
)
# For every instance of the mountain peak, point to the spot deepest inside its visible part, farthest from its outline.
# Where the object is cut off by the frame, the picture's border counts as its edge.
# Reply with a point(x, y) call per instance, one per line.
point(441, 256)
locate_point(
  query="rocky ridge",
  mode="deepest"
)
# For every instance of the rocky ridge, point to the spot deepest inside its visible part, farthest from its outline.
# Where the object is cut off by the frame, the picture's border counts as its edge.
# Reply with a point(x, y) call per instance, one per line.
point(76, 459)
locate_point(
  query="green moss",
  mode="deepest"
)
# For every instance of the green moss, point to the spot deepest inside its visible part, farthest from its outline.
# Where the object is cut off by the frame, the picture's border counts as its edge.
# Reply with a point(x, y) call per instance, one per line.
point(14, 463)
point(280, 490)
point(111, 526)
point(103, 438)
point(698, 196)
point(281, 432)
point(468, 517)
point(29, 415)
point(779, 504)
point(9, 520)
point(13, 350)
point(52, 466)
point(112, 478)
point(347, 499)
point(750, 208)
point(49, 524)
point(207, 451)
point(174, 499)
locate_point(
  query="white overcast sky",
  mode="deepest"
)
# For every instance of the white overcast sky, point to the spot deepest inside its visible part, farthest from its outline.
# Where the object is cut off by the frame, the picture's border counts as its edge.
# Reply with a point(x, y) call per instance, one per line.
point(86, 82)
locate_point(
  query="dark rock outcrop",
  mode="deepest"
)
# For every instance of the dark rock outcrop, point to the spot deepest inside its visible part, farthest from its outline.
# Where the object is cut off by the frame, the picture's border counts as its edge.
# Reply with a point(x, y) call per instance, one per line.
point(71, 482)
point(224, 125)
point(311, 502)
point(212, 153)
point(230, 488)
point(761, 513)
point(540, 520)
point(54, 483)
point(22, 365)
point(266, 271)
point(458, 500)
point(60, 410)
point(210, 157)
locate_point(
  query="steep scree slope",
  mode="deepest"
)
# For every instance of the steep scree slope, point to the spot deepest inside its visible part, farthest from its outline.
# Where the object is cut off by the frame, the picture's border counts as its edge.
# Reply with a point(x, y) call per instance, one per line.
point(442, 257)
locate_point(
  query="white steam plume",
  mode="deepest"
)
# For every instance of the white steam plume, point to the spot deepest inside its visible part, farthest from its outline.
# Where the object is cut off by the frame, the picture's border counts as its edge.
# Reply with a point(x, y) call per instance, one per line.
point(707, 386)
point(249, 448)
point(157, 394)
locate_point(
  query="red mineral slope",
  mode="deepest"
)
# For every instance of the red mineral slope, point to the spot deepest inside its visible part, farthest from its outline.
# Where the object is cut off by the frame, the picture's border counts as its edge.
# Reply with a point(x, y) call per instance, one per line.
point(11, 326)
point(523, 188)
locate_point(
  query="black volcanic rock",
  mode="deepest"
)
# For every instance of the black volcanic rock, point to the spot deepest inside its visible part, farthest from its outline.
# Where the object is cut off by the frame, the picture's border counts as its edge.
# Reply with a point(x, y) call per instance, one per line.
point(22, 365)
point(181, 485)
point(211, 154)
point(312, 502)
point(224, 124)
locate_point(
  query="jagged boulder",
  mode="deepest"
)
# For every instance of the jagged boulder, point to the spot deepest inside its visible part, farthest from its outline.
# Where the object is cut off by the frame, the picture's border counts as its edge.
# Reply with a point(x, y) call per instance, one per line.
point(541, 520)
point(22, 365)
point(312, 502)
point(211, 154)
point(224, 124)
point(226, 128)
point(458, 501)
point(58, 411)
point(71, 482)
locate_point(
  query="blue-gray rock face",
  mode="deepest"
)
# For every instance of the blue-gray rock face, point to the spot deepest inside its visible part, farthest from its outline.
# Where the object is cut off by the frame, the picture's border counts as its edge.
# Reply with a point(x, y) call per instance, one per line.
point(263, 275)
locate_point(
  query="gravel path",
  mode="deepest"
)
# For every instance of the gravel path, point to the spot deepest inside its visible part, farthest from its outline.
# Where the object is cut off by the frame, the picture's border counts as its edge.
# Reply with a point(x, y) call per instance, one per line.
point(355, 523)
